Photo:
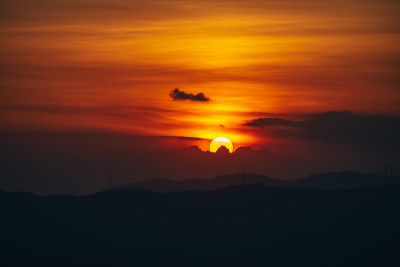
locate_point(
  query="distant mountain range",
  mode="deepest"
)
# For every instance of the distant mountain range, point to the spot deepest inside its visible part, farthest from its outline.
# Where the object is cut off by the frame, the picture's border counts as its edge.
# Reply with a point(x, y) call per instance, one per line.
point(242, 225)
point(326, 181)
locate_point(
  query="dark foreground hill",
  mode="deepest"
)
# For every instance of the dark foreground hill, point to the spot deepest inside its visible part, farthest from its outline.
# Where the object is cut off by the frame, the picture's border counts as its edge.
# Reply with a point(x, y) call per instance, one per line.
point(251, 225)
point(328, 181)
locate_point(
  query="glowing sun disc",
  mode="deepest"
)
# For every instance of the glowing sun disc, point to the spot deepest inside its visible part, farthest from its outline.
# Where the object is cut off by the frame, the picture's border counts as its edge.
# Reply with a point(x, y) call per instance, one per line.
point(221, 141)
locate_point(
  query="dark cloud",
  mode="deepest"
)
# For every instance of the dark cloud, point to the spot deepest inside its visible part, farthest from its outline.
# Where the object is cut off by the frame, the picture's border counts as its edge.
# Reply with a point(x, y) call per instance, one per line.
point(269, 122)
point(182, 138)
point(181, 95)
point(338, 127)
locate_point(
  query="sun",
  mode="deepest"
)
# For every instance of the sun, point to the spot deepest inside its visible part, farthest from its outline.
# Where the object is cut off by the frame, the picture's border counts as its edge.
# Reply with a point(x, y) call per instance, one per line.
point(221, 141)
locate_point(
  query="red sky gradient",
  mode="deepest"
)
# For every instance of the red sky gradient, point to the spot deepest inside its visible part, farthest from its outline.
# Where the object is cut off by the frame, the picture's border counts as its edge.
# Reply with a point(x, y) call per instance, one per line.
point(108, 66)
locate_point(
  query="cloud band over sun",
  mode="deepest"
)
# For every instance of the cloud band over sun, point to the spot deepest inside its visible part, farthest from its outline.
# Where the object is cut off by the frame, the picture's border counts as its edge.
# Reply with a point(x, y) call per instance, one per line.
point(177, 94)
point(334, 126)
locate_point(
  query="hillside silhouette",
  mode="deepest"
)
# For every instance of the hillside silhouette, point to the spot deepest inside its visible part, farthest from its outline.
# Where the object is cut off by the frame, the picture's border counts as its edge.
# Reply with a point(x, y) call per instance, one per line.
point(244, 225)
point(328, 181)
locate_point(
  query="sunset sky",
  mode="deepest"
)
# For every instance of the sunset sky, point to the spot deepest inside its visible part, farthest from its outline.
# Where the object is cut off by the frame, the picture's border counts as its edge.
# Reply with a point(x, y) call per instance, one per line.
point(275, 75)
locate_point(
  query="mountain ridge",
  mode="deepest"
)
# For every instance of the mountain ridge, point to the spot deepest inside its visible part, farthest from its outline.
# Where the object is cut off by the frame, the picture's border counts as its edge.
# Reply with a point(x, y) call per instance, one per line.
point(260, 225)
point(328, 181)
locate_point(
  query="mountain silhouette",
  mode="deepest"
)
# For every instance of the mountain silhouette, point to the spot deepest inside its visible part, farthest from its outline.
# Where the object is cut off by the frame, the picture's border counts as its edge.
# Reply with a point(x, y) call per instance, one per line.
point(328, 181)
point(242, 225)
point(342, 180)
point(165, 185)
point(222, 151)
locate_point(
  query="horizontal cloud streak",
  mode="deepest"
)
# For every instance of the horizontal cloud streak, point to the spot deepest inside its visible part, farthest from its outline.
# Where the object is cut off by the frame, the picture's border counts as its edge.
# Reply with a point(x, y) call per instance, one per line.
point(338, 127)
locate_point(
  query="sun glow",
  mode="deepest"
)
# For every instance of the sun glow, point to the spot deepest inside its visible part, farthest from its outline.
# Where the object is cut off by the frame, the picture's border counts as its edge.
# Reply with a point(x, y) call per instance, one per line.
point(221, 141)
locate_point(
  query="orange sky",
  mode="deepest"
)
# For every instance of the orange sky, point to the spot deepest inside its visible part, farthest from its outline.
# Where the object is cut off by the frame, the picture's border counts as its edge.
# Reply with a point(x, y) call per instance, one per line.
point(110, 65)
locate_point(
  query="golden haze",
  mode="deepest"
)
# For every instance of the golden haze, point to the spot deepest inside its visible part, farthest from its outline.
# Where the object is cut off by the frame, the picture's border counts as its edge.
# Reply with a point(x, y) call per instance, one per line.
point(63, 66)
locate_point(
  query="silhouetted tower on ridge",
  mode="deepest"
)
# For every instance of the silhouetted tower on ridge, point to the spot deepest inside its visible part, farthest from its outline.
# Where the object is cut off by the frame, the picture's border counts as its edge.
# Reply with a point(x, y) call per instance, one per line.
point(388, 173)
point(385, 174)
point(244, 175)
